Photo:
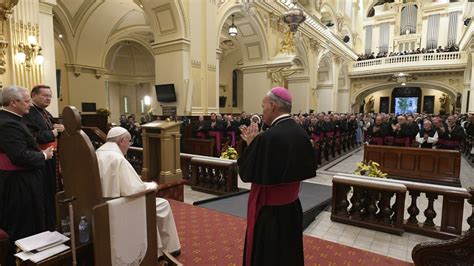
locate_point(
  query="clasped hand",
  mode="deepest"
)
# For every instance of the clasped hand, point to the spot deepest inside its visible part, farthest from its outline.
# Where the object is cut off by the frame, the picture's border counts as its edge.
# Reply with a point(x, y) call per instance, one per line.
point(249, 133)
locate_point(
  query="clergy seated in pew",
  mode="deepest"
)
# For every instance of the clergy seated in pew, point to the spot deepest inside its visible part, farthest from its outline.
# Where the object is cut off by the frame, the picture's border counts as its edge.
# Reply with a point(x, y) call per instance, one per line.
point(119, 179)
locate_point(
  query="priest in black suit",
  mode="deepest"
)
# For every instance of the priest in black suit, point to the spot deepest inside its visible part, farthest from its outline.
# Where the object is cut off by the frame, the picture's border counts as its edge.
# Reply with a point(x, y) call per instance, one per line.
point(45, 130)
point(21, 160)
point(275, 162)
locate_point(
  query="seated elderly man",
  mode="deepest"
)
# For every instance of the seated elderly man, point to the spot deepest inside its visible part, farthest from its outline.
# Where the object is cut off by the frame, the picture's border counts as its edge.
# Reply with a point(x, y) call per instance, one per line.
point(119, 179)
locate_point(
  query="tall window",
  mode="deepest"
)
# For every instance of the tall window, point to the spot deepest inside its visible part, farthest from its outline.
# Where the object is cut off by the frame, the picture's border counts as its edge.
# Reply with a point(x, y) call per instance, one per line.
point(453, 28)
point(433, 29)
point(384, 37)
point(408, 20)
point(368, 39)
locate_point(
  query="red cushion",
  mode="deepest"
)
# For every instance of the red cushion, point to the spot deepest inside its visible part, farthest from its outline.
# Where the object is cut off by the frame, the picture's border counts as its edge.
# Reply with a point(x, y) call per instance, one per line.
point(3, 235)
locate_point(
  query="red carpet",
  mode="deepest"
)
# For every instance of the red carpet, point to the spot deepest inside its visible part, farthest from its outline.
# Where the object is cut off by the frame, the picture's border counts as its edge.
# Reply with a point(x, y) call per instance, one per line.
point(213, 238)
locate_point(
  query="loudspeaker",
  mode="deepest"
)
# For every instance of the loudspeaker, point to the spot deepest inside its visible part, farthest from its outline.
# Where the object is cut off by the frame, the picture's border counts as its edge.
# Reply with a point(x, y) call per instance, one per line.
point(467, 21)
point(346, 39)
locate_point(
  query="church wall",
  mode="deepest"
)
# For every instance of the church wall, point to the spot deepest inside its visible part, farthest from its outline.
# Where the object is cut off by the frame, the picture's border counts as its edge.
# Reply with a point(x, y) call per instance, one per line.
point(226, 66)
point(325, 95)
point(87, 88)
point(113, 92)
point(299, 89)
point(171, 67)
point(61, 60)
point(256, 85)
point(46, 31)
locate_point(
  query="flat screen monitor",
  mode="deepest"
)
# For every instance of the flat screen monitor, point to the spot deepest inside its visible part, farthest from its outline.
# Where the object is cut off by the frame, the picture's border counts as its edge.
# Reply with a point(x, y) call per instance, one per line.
point(165, 93)
point(406, 105)
point(89, 107)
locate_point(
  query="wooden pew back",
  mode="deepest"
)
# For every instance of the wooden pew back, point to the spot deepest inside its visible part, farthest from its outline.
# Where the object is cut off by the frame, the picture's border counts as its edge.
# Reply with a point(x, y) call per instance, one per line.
point(416, 164)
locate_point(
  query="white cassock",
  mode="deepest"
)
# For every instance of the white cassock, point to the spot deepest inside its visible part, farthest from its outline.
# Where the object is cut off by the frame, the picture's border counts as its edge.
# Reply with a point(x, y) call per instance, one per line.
point(119, 179)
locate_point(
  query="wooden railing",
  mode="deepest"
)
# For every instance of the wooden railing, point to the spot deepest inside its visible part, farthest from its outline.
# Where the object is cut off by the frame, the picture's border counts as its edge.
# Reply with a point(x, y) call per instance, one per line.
point(215, 176)
point(415, 164)
point(366, 202)
point(96, 135)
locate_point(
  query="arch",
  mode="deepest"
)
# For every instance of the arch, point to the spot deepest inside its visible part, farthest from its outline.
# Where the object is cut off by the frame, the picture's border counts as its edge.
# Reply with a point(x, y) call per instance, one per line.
point(175, 10)
point(63, 41)
point(135, 48)
point(223, 16)
point(123, 36)
point(326, 8)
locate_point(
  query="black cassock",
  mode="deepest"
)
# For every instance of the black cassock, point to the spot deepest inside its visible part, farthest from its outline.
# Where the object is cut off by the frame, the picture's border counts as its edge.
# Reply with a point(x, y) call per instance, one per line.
point(40, 123)
point(21, 196)
point(275, 163)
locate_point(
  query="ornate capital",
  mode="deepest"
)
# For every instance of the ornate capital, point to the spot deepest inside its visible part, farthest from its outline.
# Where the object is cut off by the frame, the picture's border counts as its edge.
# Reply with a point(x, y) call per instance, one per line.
point(314, 44)
point(6, 7)
point(274, 20)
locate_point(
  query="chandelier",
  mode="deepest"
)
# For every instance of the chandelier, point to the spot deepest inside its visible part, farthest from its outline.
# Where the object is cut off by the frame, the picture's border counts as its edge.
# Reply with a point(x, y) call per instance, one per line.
point(232, 28)
point(29, 53)
point(294, 16)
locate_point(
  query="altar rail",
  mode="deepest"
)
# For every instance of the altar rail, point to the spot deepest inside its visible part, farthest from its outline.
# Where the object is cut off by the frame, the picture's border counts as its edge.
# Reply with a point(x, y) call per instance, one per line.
point(215, 176)
point(210, 174)
point(415, 164)
point(379, 204)
point(404, 62)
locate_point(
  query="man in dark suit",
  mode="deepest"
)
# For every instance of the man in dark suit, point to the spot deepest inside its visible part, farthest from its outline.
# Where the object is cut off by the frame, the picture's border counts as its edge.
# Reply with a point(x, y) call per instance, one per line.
point(45, 130)
point(21, 161)
point(275, 164)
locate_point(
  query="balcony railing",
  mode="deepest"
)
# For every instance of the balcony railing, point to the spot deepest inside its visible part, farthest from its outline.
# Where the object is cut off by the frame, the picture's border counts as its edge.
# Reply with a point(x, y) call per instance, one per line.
point(404, 62)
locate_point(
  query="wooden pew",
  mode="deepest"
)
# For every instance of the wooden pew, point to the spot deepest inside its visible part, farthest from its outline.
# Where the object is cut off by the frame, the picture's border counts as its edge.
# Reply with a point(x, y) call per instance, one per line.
point(199, 146)
point(416, 164)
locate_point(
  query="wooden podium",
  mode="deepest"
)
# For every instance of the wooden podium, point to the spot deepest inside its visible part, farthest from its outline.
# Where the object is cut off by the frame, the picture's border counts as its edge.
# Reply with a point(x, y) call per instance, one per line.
point(161, 151)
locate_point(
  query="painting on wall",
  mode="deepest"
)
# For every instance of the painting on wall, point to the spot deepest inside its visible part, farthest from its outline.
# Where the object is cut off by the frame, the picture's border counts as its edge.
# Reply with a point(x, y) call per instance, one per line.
point(384, 105)
point(428, 104)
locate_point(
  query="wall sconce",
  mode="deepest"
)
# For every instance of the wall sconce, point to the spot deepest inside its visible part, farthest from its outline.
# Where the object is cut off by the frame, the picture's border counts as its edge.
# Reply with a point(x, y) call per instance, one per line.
point(29, 53)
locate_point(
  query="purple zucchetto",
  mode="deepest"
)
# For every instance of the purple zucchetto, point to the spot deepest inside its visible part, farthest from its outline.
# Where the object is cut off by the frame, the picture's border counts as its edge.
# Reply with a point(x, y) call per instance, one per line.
point(282, 93)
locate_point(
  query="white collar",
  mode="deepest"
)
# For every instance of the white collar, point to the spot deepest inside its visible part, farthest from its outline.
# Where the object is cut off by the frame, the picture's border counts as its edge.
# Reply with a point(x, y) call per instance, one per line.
point(6, 110)
point(278, 117)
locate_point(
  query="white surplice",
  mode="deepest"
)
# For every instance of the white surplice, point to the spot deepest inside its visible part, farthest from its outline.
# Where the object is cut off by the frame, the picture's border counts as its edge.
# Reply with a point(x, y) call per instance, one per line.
point(119, 179)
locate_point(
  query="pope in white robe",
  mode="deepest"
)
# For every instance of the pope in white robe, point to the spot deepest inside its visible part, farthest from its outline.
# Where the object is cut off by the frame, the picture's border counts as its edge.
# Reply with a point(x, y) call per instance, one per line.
point(119, 179)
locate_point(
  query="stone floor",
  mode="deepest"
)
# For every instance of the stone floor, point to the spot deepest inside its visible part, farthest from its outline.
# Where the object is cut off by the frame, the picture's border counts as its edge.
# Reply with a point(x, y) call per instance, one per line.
point(395, 246)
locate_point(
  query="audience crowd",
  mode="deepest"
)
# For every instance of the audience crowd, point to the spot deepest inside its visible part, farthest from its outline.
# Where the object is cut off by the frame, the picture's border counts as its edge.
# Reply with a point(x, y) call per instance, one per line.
point(328, 129)
point(440, 49)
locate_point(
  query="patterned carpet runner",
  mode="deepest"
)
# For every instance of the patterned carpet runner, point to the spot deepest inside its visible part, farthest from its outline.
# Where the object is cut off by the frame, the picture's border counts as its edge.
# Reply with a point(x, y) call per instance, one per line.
point(213, 238)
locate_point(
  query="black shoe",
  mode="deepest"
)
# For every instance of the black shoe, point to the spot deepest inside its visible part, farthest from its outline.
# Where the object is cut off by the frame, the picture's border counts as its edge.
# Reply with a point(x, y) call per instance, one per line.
point(176, 253)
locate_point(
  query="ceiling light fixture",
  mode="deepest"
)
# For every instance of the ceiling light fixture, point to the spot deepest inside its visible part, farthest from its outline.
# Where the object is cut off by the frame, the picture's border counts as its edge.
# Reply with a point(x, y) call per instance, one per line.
point(232, 28)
